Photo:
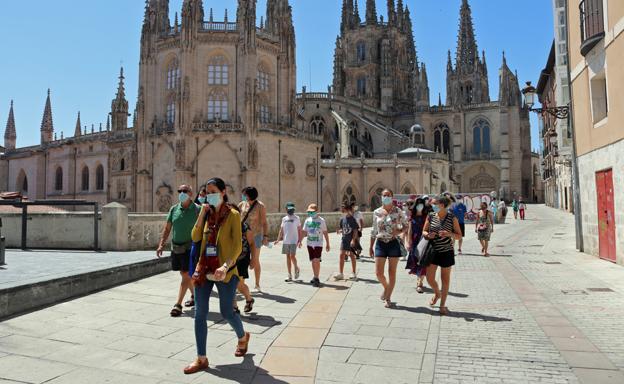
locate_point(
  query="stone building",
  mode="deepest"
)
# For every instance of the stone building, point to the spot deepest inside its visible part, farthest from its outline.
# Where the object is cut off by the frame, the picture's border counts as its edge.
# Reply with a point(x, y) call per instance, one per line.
point(596, 48)
point(378, 112)
point(217, 98)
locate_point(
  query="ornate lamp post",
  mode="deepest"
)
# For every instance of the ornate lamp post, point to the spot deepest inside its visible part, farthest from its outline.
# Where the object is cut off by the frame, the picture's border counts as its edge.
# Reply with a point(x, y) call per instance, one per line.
point(530, 94)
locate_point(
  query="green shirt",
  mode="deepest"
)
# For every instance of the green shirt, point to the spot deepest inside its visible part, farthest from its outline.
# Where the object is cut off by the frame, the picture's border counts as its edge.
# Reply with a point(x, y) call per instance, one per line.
point(183, 221)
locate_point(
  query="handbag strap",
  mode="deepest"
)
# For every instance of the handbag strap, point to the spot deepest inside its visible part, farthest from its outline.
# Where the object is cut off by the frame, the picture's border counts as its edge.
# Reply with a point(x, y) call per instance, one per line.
point(249, 211)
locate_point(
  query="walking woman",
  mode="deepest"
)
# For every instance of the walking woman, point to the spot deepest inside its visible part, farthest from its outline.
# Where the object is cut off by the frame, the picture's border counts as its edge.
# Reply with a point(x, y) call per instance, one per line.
point(416, 224)
point(442, 229)
point(218, 227)
point(484, 228)
point(255, 211)
point(389, 224)
point(514, 206)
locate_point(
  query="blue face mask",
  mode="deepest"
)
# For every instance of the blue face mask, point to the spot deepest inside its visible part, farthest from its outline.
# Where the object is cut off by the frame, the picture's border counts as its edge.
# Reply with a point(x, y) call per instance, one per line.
point(183, 197)
point(312, 214)
point(436, 208)
point(213, 199)
point(244, 199)
point(386, 200)
point(201, 199)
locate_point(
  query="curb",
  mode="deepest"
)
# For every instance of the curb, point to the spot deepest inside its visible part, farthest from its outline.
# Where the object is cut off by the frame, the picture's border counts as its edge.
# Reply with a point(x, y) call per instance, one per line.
point(18, 300)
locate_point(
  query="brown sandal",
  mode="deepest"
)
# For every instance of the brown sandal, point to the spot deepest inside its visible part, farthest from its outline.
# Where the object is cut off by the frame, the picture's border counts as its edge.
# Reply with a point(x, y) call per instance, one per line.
point(434, 300)
point(196, 366)
point(176, 311)
point(249, 305)
point(241, 348)
point(444, 311)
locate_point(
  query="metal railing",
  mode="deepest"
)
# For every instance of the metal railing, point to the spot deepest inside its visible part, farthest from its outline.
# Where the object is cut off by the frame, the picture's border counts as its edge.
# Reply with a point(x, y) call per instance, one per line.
point(53, 203)
point(592, 24)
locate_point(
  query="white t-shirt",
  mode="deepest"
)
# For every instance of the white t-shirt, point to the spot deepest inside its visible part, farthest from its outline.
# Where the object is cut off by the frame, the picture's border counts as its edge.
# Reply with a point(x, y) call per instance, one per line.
point(315, 227)
point(290, 229)
point(357, 215)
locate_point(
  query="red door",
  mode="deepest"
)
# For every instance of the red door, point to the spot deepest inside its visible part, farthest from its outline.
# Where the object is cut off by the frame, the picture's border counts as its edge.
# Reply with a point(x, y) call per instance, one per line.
point(606, 214)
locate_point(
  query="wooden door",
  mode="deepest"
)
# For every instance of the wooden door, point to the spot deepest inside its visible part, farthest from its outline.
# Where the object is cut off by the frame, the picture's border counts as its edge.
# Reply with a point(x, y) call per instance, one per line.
point(606, 215)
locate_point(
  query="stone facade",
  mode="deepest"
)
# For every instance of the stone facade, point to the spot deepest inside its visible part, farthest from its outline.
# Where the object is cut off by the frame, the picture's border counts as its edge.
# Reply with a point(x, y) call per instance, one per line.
point(217, 98)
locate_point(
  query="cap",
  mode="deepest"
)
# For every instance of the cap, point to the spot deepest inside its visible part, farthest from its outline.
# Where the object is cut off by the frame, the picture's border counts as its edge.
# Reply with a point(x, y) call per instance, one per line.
point(290, 205)
point(425, 197)
point(312, 208)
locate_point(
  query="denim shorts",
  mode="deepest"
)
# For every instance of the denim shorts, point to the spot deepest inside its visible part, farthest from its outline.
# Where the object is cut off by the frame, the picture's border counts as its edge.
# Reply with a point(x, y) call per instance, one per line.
point(389, 249)
point(258, 240)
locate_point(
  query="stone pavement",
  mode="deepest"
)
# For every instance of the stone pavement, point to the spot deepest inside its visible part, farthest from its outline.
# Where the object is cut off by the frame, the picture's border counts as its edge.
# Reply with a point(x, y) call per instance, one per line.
point(535, 312)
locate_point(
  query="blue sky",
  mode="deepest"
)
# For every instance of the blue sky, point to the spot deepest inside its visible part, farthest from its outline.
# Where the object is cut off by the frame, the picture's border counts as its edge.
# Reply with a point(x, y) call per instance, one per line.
point(75, 47)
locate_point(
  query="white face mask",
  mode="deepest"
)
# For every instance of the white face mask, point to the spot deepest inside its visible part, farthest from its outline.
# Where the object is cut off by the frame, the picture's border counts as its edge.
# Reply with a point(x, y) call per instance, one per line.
point(420, 207)
point(214, 199)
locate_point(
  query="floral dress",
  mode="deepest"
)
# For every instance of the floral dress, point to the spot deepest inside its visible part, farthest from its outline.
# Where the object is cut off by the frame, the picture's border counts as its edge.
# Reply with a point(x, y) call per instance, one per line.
point(484, 220)
point(386, 223)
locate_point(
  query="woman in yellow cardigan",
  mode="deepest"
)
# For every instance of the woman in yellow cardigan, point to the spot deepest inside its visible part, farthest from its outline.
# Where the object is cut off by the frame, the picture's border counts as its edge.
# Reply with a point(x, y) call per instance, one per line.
point(228, 247)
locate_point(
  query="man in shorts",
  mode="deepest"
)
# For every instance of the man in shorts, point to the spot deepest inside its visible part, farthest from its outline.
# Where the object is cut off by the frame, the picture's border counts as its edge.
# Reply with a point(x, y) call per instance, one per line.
point(180, 222)
point(459, 210)
point(349, 230)
point(290, 232)
point(315, 229)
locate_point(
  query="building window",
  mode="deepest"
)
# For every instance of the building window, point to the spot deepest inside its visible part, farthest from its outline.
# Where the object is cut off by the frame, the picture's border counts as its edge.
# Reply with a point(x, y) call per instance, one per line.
point(173, 75)
point(361, 51)
point(22, 182)
point(265, 114)
point(317, 126)
point(592, 24)
point(218, 74)
point(481, 137)
point(437, 141)
point(122, 164)
point(218, 107)
point(263, 81)
point(85, 178)
point(171, 113)
point(99, 178)
point(600, 106)
point(58, 181)
point(442, 139)
point(361, 86)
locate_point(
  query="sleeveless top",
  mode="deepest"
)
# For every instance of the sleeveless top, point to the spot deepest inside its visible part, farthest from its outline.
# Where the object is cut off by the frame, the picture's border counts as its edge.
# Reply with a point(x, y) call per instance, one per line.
point(442, 244)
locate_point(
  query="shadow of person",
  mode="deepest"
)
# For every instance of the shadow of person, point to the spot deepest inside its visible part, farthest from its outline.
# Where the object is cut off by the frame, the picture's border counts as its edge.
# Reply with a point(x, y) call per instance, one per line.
point(367, 281)
point(244, 372)
point(277, 298)
point(453, 294)
point(468, 316)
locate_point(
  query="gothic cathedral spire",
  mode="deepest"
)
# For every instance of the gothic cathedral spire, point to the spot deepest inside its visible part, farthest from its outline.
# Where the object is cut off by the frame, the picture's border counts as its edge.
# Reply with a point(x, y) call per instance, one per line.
point(119, 106)
point(371, 12)
point(347, 16)
point(467, 52)
point(391, 12)
point(10, 135)
point(47, 126)
point(78, 129)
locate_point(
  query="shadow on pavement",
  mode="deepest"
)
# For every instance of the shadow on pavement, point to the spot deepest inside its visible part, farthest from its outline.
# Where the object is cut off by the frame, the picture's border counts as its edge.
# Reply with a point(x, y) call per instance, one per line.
point(468, 316)
point(239, 373)
point(480, 255)
point(276, 298)
point(453, 294)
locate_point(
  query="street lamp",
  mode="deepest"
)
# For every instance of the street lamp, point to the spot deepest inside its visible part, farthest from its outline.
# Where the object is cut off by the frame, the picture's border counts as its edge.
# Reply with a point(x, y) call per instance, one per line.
point(530, 93)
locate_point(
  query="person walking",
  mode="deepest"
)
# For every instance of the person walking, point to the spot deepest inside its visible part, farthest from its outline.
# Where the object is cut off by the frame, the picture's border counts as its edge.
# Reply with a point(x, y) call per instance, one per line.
point(389, 224)
point(218, 227)
point(494, 209)
point(255, 211)
point(441, 228)
point(459, 210)
point(180, 221)
point(522, 207)
point(359, 218)
point(242, 266)
point(416, 224)
point(315, 229)
point(514, 206)
point(484, 228)
point(290, 232)
point(201, 196)
point(349, 231)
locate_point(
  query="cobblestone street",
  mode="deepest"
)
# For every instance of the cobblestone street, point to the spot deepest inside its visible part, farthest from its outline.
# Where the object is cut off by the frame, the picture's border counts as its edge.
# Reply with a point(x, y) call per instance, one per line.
point(535, 312)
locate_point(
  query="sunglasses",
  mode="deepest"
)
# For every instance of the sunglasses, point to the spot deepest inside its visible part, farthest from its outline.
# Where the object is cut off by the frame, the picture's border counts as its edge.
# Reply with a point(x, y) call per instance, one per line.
point(183, 191)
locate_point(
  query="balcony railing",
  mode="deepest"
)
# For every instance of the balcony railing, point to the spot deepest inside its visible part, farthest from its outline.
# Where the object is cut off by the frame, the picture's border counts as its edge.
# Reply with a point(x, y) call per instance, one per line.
point(592, 24)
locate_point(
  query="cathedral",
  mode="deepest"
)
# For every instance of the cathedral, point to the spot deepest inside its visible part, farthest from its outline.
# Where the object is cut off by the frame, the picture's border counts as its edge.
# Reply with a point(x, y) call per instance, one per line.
point(218, 98)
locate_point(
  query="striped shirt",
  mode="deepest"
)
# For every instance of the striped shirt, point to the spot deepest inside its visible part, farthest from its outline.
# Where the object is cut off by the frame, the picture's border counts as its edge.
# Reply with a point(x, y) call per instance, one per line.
point(442, 244)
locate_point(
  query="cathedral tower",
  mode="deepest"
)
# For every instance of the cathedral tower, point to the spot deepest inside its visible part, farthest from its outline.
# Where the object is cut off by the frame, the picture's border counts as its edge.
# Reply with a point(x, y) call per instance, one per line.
point(47, 126)
point(467, 83)
point(10, 135)
point(119, 106)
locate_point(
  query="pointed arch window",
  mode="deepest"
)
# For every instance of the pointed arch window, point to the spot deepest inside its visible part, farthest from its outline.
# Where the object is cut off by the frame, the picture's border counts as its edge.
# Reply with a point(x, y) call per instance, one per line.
point(99, 178)
point(481, 137)
point(265, 114)
point(264, 81)
point(218, 71)
point(349, 196)
point(122, 164)
point(442, 139)
point(171, 113)
point(361, 86)
point(317, 126)
point(22, 182)
point(437, 141)
point(173, 74)
point(218, 107)
point(361, 51)
point(85, 178)
point(58, 179)
point(25, 184)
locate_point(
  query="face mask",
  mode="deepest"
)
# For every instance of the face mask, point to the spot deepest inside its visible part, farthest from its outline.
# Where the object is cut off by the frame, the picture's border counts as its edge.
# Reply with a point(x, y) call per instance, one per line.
point(291, 211)
point(245, 199)
point(312, 214)
point(183, 197)
point(214, 199)
point(420, 207)
point(386, 200)
point(436, 208)
point(201, 199)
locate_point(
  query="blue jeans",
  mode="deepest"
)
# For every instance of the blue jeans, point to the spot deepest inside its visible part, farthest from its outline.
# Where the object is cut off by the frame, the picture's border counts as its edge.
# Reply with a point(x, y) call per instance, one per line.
point(226, 304)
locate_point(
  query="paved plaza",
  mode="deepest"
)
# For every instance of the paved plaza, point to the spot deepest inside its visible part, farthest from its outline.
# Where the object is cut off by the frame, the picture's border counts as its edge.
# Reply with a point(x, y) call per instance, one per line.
point(535, 312)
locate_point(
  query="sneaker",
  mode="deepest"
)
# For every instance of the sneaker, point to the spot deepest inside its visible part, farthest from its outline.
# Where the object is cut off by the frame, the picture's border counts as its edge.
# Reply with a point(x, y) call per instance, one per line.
point(419, 289)
point(404, 258)
point(257, 289)
point(353, 276)
point(459, 251)
point(297, 270)
point(316, 282)
point(288, 279)
point(338, 276)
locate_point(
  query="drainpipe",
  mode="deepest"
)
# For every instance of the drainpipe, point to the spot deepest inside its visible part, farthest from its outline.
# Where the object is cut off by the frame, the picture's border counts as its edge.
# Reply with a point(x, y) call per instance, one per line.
point(279, 175)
